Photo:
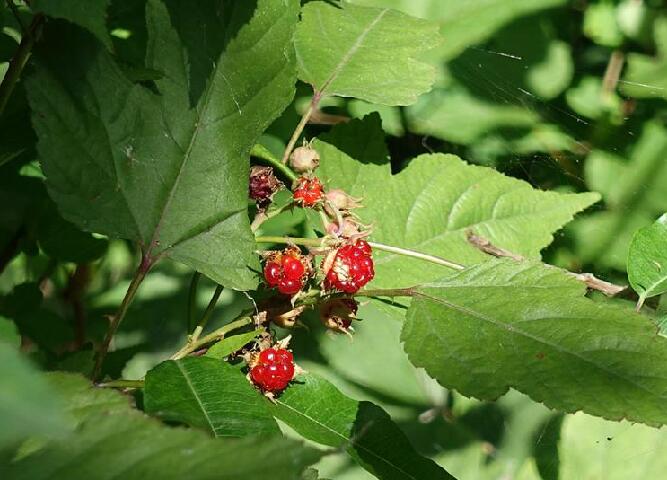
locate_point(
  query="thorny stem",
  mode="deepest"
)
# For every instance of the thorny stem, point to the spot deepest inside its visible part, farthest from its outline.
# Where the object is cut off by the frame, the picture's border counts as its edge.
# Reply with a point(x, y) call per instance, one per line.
point(302, 124)
point(306, 242)
point(19, 60)
point(219, 334)
point(143, 268)
point(258, 151)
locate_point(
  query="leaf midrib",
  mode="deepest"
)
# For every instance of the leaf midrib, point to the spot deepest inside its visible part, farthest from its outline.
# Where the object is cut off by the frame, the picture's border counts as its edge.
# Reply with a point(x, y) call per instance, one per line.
point(345, 438)
point(555, 346)
point(196, 395)
point(345, 59)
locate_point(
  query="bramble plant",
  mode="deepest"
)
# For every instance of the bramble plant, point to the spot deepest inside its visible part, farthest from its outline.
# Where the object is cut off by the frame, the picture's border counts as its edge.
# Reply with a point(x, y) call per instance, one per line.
point(307, 264)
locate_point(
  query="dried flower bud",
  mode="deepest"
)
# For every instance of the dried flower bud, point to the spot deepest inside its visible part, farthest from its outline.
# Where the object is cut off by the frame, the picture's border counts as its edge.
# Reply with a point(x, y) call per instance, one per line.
point(341, 200)
point(304, 159)
point(263, 185)
point(337, 314)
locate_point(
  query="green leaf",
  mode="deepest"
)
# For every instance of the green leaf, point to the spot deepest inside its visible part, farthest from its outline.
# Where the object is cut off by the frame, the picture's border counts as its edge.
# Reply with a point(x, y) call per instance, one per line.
point(600, 24)
point(367, 53)
point(464, 24)
point(208, 394)
point(28, 406)
point(455, 115)
point(594, 448)
point(113, 440)
point(505, 324)
point(430, 204)
point(634, 195)
point(229, 345)
point(647, 75)
point(60, 239)
point(91, 14)
point(319, 412)
point(170, 170)
point(647, 260)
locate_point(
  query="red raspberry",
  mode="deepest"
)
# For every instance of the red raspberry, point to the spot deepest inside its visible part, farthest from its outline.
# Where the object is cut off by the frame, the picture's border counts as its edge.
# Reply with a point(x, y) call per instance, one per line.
point(274, 370)
point(286, 271)
point(352, 268)
point(308, 191)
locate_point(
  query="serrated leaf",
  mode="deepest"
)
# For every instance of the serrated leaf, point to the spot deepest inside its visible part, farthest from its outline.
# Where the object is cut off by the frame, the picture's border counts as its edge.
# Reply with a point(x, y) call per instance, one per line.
point(123, 161)
point(464, 24)
point(113, 440)
point(594, 448)
point(367, 53)
point(229, 345)
point(319, 412)
point(647, 260)
point(430, 204)
point(91, 14)
point(634, 195)
point(28, 406)
point(505, 324)
point(208, 394)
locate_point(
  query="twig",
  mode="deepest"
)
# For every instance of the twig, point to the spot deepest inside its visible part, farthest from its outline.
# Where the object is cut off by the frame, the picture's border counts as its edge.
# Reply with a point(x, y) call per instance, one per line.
point(589, 279)
point(612, 72)
point(261, 152)
point(19, 60)
point(302, 124)
point(123, 384)
point(422, 256)
point(219, 334)
point(143, 268)
point(207, 313)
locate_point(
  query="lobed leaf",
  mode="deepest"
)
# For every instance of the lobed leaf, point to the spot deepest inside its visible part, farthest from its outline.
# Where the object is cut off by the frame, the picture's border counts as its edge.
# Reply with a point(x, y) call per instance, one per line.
point(169, 170)
point(321, 413)
point(504, 324)
point(209, 394)
point(367, 53)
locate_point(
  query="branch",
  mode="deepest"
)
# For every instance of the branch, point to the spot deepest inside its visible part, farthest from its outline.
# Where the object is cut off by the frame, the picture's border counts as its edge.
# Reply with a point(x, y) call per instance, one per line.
point(139, 275)
point(414, 254)
point(219, 334)
point(19, 60)
point(302, 124)
point(589, 279)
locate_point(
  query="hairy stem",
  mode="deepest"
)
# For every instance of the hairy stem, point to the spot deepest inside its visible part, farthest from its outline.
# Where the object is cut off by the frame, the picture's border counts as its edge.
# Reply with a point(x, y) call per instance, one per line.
point(219, 334)
point(306, 242)
point(421, 256)
point(260, 152)
point(123, 384)
point(386, 292)
point(139, 275)
point(302, 124)
point(19, 60)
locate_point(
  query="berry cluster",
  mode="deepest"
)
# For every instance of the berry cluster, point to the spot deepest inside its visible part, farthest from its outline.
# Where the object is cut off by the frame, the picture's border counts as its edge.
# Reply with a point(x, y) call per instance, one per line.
point(273, 370)
point(351, 268)
point(308, 191)
point(287, 271)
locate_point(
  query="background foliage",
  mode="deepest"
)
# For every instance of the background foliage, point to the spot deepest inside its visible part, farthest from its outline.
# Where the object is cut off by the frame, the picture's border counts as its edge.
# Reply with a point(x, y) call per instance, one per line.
point(133, 122)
